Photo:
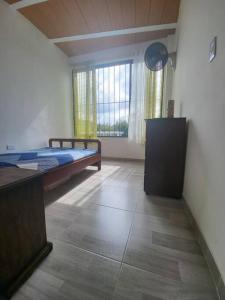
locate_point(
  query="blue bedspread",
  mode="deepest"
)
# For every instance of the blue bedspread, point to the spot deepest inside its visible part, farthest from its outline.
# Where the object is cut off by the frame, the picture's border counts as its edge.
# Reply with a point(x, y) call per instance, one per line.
point(45, 158)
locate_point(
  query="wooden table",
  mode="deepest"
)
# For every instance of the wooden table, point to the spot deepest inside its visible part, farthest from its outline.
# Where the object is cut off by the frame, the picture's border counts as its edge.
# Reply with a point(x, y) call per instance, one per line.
point(23, 241)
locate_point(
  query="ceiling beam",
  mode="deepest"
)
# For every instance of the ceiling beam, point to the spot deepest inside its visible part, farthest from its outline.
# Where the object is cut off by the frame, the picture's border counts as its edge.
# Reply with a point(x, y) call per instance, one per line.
point(114, 33)
point(25, 3)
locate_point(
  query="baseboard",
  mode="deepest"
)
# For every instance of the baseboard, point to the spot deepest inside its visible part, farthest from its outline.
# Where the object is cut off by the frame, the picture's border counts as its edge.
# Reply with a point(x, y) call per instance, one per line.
point(122, 159)
point(215, 272)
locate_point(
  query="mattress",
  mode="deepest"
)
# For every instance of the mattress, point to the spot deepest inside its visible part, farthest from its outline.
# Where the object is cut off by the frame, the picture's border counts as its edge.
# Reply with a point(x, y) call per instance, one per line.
point(44, 159)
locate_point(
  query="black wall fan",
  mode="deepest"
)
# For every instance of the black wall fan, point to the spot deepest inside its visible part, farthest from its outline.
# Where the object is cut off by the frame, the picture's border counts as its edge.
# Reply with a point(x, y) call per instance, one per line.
point(156, 56)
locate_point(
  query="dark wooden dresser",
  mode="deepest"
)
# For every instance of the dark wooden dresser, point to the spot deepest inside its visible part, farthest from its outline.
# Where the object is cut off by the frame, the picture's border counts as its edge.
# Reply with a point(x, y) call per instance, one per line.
point(165, 156)
point(23, 242)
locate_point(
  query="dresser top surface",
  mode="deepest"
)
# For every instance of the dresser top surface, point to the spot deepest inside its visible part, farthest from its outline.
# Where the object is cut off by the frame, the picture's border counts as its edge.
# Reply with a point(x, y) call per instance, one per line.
point(12, 176)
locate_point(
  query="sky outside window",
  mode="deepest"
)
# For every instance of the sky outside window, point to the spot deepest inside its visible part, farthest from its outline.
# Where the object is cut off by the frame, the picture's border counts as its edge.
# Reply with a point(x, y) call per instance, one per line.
point(113, 98)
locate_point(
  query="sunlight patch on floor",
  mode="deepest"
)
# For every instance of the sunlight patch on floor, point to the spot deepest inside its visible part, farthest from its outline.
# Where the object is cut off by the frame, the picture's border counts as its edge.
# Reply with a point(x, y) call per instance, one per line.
point(80, 194)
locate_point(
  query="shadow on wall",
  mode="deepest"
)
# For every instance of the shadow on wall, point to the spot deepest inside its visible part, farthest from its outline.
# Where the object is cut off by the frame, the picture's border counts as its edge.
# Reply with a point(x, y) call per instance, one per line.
point(35, 84)
point(196, 171)
point(28, 128)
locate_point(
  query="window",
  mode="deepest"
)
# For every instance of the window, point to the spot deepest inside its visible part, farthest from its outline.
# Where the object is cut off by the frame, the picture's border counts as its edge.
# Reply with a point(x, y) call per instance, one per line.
point(113, 90)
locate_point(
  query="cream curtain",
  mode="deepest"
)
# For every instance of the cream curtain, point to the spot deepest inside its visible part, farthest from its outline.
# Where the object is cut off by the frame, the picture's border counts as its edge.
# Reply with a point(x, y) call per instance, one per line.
point(84, 88)
point(146, 99)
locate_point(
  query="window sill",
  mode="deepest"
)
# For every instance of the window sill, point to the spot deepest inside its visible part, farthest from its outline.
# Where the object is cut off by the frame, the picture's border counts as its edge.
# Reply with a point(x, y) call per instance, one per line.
point(113, 137)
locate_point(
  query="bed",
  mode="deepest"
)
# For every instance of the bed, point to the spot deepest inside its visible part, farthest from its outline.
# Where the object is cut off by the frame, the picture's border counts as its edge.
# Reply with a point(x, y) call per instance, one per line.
point(58, 162)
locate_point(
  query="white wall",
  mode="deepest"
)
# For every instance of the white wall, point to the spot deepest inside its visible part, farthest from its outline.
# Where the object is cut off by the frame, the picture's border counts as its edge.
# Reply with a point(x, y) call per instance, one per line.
point(200, 94)
point(35, 85)
point(122, 147)
point(118, 53)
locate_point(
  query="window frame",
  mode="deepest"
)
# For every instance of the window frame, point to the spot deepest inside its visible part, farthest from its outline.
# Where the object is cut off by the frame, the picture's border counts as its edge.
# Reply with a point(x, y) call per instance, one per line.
point(113, 64)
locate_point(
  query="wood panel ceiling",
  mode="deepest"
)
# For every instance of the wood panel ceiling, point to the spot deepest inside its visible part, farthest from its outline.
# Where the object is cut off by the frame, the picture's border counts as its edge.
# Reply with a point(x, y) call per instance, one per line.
point(62, 18)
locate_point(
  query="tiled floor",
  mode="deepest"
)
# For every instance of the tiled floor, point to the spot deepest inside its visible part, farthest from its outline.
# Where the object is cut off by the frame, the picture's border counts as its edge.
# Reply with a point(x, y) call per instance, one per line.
point(111, 241)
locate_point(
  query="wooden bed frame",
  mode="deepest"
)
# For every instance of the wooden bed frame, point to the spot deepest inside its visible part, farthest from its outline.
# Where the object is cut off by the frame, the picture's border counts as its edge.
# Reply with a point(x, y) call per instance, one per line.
point(58, 175)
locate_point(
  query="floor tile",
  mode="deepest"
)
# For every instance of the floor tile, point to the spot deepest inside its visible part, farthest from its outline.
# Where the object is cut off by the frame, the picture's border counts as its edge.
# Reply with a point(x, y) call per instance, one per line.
point(102, 230)
point(125, 178)
point(158, 257)
point(172, 242)
point(112, 241)
point(143, 256)
point(59, 216)
point(137, 284)
point(143, 224)
point(62, 210)
point(85, 275)
point(163, 208)
point(163, 202)
point(41, 285)
point(195, 274)
point(116, 197)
